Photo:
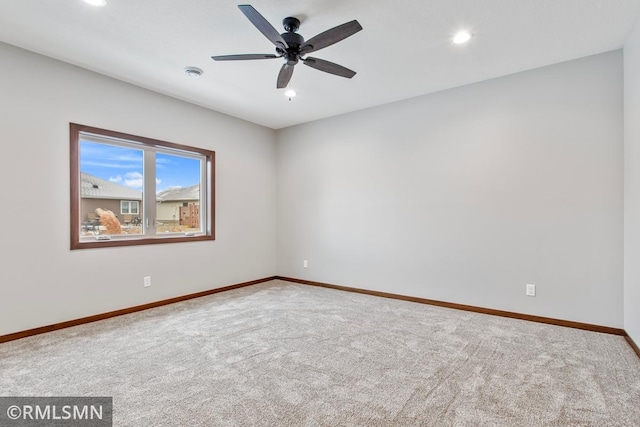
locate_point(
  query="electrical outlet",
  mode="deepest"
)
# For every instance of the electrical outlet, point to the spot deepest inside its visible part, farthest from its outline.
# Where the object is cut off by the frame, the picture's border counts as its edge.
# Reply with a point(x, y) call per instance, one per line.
point(531, 290)
point(305, 264)
point(147, 281)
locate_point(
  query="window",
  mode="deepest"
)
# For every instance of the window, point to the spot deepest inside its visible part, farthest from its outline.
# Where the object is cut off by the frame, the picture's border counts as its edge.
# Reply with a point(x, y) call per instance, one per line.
point(132, 190)
point(129, 207)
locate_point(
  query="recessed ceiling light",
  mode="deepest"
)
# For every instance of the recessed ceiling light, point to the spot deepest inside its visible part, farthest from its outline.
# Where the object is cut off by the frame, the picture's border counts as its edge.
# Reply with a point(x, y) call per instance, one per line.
point(98, 3)
point(193, 71)
point(462, 37)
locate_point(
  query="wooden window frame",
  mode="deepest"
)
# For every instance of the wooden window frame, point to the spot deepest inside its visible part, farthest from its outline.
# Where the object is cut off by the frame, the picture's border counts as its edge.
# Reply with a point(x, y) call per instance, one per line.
point(77, 242)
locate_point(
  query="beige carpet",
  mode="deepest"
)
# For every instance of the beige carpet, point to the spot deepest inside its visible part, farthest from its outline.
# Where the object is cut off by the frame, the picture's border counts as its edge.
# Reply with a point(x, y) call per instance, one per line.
point(283, 354)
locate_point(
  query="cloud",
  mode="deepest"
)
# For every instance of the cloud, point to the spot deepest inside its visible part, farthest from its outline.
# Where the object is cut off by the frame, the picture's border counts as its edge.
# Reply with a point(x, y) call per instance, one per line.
point(130, 179)
point(134, 180)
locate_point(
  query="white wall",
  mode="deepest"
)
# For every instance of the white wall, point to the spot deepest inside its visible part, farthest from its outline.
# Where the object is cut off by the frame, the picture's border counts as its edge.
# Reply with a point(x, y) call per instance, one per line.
point(632, 185)
point(41, 280)
point(466, 195)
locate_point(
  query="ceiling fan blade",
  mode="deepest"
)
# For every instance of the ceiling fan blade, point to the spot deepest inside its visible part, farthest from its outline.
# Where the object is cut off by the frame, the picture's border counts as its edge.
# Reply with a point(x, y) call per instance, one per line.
point(263, 25)
point(329, 67)
point(330, 37)
point(243, 57)
point(284, 76)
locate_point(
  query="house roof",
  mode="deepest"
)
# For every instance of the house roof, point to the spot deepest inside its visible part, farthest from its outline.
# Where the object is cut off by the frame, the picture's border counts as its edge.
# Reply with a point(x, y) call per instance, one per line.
point(92, 187)
point(179, 194)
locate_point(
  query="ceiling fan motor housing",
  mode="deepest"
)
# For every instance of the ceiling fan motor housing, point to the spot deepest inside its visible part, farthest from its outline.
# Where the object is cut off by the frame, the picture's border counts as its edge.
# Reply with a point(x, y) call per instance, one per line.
point(293, 39)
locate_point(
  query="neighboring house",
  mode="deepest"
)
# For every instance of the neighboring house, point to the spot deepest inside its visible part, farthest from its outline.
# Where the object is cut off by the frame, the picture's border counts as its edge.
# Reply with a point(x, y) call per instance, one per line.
point(179, 205)
point(99, 193)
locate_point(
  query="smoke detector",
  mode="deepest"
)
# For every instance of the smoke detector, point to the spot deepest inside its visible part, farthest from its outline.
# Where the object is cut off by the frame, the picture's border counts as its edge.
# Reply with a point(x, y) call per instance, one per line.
point(193, 72)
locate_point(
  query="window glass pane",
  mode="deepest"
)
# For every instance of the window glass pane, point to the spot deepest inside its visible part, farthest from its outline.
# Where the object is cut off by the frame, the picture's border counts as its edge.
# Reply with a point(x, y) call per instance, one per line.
point(110, 177)
point(178, 196)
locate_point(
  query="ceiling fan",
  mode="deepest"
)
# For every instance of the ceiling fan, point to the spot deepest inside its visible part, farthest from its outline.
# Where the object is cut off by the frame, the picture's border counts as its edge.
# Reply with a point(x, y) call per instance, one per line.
point(293, 47)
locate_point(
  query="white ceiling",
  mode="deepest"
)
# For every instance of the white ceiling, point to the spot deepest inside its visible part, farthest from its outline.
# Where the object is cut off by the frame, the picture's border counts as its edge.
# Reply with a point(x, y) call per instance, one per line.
point(404, 50)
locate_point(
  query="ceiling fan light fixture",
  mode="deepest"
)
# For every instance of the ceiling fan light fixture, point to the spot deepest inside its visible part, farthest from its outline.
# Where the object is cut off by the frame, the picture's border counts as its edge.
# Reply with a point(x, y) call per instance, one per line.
point(290, 93)
point(96, 3)
point(462, 37)
point(194, 72)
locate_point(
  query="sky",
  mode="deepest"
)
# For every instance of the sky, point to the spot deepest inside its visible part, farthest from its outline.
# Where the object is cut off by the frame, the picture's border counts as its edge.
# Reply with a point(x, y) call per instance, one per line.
point(124, 166)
